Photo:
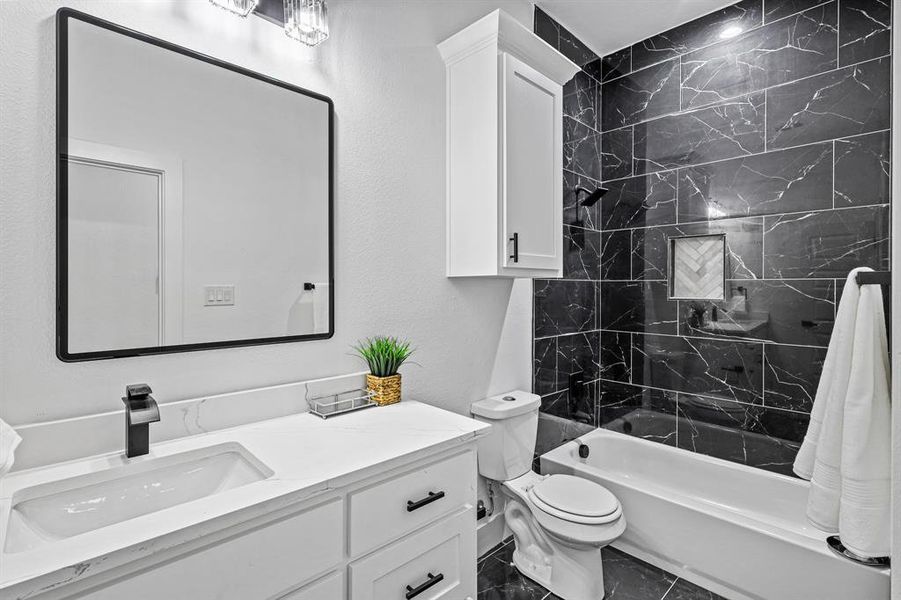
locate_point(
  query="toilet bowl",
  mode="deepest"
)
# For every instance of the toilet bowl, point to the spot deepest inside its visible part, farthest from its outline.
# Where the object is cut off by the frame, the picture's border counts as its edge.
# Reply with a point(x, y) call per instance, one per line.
point(559, 522)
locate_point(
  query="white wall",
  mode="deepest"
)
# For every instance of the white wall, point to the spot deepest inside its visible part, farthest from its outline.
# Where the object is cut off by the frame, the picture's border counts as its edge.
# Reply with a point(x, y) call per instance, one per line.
point(384, 73)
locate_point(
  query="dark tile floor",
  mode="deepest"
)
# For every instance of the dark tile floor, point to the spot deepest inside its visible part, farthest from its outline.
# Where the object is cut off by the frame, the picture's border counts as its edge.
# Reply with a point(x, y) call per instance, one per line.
point(625, 578)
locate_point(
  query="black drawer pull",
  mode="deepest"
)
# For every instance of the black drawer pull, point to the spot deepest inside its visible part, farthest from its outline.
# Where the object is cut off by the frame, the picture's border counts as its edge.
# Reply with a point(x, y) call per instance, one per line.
point(411, 506)
point(412, 592)
point(515, 240)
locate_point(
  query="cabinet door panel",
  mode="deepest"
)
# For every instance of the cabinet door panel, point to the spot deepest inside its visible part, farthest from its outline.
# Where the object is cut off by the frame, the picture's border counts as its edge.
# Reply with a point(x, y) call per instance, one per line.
point(532, 153)
point(259, 564)
point(330, 588)
point(381, 513)
point(436, 563)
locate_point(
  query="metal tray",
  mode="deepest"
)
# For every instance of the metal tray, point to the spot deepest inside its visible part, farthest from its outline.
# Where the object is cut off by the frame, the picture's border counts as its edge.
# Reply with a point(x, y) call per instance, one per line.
point(339, 404)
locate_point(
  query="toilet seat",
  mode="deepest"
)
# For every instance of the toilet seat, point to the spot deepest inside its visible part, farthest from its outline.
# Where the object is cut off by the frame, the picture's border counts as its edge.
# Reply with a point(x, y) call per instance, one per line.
point(575, 500)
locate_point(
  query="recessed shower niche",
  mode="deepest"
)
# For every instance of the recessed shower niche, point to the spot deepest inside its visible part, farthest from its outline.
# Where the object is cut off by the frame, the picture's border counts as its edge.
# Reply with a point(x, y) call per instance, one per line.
point(697, 267)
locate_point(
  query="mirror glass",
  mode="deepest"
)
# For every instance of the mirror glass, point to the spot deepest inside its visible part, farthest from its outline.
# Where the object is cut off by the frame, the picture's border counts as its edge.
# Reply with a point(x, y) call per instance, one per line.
point(194, 200)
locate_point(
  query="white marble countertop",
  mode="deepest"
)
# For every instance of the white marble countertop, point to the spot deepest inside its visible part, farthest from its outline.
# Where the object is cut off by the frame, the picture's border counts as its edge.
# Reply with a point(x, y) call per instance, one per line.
point(308, 455)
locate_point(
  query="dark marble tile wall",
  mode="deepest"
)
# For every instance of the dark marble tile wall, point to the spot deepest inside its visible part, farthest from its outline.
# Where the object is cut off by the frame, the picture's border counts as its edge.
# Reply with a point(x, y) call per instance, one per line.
point(768, 121)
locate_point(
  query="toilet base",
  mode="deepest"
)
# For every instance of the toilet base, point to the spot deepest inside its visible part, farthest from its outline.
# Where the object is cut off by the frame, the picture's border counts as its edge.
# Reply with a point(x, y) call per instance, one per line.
point(570, 571)
point(574, 575)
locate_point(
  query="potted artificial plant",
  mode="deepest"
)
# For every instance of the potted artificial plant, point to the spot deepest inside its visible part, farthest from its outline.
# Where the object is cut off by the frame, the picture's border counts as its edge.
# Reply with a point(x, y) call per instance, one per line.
point(384, 355)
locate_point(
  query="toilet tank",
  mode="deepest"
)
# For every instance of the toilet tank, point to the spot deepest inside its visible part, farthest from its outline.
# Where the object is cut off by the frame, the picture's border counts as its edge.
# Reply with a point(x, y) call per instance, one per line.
point(507, 451)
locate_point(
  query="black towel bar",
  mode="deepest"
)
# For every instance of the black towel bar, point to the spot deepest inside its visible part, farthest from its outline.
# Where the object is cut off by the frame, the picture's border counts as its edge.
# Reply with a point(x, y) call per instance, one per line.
point(874, 278)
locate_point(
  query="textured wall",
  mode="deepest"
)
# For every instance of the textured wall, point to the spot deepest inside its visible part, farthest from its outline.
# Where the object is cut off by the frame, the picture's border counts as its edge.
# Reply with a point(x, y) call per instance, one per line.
point(767, 121)
point(386, 77)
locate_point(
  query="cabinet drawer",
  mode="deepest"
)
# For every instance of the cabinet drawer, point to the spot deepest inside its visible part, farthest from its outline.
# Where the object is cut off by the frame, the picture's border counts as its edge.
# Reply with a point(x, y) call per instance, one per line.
point(330, 588)
point(438, 562)
point(393, 508)
point(261, 563)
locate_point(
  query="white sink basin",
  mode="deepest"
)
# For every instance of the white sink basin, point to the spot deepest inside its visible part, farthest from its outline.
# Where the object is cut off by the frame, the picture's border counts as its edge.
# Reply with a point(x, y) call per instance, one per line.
point(69, 507)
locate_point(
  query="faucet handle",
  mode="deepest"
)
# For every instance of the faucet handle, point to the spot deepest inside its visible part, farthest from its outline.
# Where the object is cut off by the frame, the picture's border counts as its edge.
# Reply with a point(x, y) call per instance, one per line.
point(137, 391)
point(140, 405)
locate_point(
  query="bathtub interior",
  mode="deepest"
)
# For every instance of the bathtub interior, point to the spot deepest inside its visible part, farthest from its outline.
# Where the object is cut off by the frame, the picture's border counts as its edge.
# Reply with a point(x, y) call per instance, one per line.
point(691, 477)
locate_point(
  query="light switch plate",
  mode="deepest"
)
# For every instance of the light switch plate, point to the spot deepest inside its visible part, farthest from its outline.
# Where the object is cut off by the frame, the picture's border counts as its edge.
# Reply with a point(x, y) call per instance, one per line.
point(219, 295)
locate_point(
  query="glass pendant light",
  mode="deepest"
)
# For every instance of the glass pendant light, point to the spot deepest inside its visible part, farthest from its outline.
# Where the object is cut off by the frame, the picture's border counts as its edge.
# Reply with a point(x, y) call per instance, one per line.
point(306, 21)
point(239, 7)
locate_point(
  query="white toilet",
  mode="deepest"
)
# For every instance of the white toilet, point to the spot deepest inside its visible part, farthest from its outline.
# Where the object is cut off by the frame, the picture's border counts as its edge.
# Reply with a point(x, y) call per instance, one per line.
point(559, 522)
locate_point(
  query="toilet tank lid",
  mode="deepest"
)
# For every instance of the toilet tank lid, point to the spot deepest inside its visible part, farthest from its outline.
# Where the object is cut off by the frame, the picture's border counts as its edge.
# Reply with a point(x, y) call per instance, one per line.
point(504, 406)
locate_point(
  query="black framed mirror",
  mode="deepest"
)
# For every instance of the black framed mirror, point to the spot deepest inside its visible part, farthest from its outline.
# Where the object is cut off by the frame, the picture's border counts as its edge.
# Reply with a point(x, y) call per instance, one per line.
point(194, 199)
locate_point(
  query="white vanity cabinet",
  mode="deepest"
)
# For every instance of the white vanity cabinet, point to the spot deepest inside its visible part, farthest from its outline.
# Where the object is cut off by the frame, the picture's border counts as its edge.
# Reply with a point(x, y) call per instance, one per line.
point(504, 151)
point(409, 532)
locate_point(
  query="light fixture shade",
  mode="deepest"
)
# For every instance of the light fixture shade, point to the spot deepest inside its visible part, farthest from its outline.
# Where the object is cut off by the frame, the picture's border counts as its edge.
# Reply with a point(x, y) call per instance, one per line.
point(239, 7)
point(306, 21)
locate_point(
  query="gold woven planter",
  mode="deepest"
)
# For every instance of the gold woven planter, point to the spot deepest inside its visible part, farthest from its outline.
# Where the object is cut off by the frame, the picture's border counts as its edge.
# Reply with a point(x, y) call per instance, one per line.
point(387, 389)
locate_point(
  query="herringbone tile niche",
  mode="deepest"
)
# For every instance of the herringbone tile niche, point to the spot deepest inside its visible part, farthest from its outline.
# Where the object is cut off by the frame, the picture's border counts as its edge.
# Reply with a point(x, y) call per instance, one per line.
point(697, 267)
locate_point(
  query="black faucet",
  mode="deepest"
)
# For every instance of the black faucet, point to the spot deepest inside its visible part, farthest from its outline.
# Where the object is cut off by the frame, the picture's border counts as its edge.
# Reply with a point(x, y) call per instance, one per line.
point(140, 411)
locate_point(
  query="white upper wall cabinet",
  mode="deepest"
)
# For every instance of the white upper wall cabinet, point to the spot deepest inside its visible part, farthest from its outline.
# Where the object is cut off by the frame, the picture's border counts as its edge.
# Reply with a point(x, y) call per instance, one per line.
point(504, 151)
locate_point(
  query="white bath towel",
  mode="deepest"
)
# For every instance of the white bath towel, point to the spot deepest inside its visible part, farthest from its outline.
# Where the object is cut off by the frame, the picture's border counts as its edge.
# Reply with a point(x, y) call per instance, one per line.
point(833, 381)
point(9, 441)
point(864, 521)
point(845, 453)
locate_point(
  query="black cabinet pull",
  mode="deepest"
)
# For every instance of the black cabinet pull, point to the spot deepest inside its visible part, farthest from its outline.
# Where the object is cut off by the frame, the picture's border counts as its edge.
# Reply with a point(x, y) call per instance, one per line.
point(515, 240)
point(411, 506)
point(412, 592)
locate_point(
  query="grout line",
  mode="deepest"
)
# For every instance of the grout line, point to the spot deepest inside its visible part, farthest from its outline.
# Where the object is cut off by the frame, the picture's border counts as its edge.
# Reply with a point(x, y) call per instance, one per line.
point(678, 417)
point(762, 247)
point(838, 33)
point(677, 177)
point(740, 157)
point(680, 393)
point(732, 99)
point(589, 177)
point(834, 156)
point(732, 279)
point(681, 87)
point(601, 380)
point(631, 252)
point(556, 360)
point(631, 345)
point(673, 584)
point(632, 158)
point(760, 25)
point(713, 222)
point(714, 338)
point(571, 118)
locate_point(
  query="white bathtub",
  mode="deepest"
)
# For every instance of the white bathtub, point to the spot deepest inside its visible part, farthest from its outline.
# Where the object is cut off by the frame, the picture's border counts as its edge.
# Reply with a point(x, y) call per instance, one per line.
point(738, 531)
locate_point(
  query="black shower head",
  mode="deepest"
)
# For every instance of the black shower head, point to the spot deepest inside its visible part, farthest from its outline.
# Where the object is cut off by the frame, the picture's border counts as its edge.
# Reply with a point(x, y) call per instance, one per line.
point(592, 197)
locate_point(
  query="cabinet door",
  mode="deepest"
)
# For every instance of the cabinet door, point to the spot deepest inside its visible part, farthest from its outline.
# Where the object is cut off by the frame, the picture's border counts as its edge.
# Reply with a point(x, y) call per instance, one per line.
point(437, 563)
point(532, 168)
point(383, 512)
point(261, 563)
point(330, 588)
